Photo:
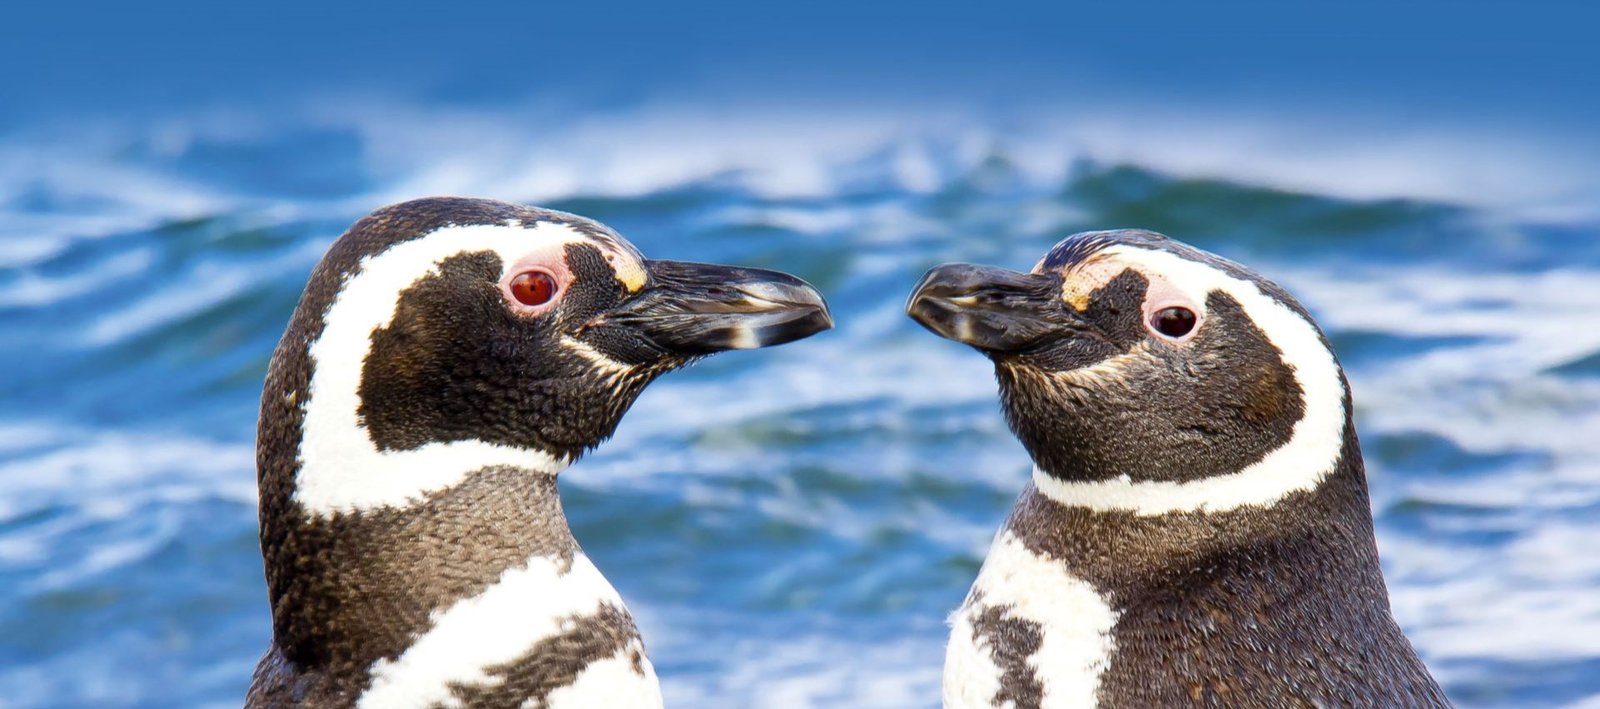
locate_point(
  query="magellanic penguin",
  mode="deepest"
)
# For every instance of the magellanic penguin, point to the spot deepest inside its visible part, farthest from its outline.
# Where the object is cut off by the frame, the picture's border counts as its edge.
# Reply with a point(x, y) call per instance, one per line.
point(1197, 530)
point(448, 358)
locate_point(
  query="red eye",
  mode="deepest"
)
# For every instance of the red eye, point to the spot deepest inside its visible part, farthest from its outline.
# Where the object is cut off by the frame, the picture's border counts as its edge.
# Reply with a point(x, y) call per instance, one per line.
point(533, 287)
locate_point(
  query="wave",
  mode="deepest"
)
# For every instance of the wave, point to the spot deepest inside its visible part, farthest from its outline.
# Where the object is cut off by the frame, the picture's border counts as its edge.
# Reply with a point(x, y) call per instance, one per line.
point(371, 151)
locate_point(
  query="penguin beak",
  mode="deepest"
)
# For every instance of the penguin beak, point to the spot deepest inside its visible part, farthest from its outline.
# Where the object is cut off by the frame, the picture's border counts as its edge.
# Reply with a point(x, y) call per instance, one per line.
point(992, 309)
point(697, 309)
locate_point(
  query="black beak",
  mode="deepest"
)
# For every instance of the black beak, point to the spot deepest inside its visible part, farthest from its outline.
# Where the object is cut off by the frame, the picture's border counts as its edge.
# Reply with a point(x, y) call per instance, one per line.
point(699, 308)
point(992, 309)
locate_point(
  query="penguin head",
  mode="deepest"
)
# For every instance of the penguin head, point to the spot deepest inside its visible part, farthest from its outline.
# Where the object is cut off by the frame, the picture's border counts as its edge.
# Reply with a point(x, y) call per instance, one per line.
point(1126, 356)
point(514, 335)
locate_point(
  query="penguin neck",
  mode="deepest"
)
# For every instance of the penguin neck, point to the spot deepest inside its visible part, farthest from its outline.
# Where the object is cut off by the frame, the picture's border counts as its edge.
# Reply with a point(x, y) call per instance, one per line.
point(1111, 531)
point(1321, 444)
point(354, 587)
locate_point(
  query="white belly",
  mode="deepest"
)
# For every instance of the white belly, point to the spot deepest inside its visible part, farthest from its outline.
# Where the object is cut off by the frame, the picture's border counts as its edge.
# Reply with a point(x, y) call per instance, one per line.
point(1074, 620)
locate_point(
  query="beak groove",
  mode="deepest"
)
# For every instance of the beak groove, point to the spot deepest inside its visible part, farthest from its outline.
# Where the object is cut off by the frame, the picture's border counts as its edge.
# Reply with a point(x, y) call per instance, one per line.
point(695, 309)
point(992, 309)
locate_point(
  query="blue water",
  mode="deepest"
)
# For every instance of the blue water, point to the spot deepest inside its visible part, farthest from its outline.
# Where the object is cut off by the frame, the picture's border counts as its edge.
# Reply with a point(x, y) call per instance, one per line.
point(791, 526)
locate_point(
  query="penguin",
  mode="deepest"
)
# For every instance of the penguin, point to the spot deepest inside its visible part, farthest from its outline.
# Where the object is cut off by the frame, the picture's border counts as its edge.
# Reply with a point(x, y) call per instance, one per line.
point(1197, 530)
point(447, 359)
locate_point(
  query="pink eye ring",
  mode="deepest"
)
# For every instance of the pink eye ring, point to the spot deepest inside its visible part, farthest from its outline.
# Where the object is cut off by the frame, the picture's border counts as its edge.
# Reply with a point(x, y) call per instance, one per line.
point(533, 287)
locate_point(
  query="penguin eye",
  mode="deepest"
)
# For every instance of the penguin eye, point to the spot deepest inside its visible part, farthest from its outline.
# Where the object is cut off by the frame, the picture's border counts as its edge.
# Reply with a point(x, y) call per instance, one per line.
point(533, 287)
point(1173, 322)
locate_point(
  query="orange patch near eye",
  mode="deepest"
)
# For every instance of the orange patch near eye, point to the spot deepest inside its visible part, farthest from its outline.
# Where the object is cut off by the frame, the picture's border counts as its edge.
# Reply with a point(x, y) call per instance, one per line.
point(533, 287)
point(630, 273)
point(1081, 281)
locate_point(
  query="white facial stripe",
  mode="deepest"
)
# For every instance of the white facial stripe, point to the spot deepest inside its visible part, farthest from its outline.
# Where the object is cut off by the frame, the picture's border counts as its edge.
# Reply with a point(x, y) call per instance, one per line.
point(606, 365)
point(1075, 624)
point(611, 682)
point(341, 469)
point(1300, 464)
point(1107, 372)
point(528, 604)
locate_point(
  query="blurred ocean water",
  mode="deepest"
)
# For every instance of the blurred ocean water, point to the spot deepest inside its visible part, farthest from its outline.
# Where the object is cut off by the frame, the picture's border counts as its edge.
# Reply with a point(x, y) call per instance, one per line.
point(792, 525)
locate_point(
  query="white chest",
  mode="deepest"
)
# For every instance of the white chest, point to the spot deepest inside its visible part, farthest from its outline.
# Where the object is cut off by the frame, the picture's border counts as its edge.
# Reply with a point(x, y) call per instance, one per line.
point(527, 605)
point(1073, 619)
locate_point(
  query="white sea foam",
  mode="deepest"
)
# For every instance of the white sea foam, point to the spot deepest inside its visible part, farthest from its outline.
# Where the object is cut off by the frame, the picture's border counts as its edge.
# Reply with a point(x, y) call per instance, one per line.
point(32, 290)
point(84, 479)
point(186, 294)
point(77, 464)
point(542, 152)
point(94, 190)
point(808, 669)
